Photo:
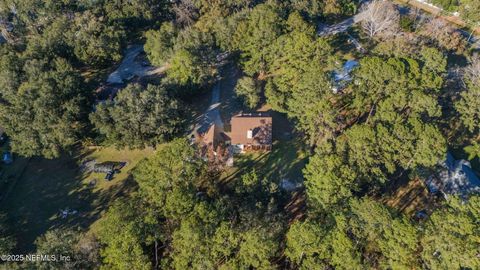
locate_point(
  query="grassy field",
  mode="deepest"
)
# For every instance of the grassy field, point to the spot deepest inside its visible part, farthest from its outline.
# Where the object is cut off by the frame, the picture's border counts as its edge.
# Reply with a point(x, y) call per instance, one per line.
point(48, 186)
point(285, 161)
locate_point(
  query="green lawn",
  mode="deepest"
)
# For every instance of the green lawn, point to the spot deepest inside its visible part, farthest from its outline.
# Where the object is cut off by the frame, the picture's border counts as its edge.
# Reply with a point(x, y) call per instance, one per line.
point(288, 155)
point(285, 161)
point(46, 186)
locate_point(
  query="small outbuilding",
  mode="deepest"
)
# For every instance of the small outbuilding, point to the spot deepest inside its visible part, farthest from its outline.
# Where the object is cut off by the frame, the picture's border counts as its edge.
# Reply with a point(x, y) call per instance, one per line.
point(455, 178)
point(108, 167)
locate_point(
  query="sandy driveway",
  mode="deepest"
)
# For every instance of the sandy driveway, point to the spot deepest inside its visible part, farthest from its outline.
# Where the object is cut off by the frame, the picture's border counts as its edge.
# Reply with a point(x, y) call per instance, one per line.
point(212, 114)
point(328, 30)
point(131, 67)
point(222, 101)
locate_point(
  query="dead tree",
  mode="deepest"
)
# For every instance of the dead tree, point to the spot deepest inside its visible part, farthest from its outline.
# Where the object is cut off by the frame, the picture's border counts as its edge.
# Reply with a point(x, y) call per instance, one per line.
point(446, 36)
point(472, 71)
point(380, 17)
point(185, 12)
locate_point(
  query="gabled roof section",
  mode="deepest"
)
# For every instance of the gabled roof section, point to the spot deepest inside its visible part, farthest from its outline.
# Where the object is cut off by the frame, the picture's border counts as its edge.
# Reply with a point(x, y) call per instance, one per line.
point(251, 128)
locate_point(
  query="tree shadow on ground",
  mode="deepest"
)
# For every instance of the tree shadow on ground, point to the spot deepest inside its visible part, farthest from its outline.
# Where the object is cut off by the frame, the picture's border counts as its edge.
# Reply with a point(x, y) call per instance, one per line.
point(49, 186)
point(286, 160)
point(230, 104)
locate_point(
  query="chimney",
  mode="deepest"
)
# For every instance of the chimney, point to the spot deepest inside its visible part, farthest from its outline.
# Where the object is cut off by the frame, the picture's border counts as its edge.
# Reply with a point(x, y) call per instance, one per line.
point(249, 134)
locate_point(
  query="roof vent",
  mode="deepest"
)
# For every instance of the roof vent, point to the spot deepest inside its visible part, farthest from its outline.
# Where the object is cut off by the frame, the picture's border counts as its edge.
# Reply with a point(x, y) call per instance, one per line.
point(249, 134)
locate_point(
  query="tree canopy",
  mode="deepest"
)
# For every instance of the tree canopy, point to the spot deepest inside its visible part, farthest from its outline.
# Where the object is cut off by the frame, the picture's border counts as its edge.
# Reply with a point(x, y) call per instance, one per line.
point(359, 141)
point(42, 106)
point(139, 117)
point(384, 240)
point(249, 91)
point(451, 236)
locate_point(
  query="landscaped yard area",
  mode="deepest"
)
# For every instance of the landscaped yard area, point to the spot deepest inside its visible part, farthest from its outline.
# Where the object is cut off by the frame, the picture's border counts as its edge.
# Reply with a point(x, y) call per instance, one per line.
point(284, 162)
point(288, 156)
point(48, 186)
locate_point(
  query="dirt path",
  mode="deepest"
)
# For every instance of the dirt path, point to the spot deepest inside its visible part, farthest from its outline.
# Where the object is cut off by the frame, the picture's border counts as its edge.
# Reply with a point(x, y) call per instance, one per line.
point(212, 114)
point(328, 30)
point(221, 101)
point(436, 11)
point(324, 30)
point(130, 67)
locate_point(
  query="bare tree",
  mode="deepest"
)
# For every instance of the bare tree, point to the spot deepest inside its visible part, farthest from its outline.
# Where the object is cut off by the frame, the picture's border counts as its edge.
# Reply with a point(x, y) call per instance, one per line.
point(186, 12)
point(418, 16)
point(444, 34)
point(380, 17)
point(472, 71)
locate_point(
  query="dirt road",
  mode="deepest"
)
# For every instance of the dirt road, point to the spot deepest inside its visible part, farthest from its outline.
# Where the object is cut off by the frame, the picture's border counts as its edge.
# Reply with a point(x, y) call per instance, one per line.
point(131, 66)
point(325, 30)
point(222, 101)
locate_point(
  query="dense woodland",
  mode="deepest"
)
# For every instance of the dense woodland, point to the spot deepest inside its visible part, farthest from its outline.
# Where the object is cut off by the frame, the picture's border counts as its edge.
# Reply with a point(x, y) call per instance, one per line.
point(400, 114)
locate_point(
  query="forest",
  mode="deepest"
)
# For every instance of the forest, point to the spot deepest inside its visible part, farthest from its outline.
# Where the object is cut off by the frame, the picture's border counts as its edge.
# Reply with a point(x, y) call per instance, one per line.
point(414, 96)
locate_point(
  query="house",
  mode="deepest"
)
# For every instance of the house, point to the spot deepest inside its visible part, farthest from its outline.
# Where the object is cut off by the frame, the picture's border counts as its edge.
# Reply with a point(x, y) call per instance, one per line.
point(213, 144)
point(456, 178)
point(251, 131)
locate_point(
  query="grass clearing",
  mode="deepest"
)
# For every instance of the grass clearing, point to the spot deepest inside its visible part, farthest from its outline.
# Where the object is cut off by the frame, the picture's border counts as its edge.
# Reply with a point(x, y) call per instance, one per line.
point(47, 186)
point(285, 161)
